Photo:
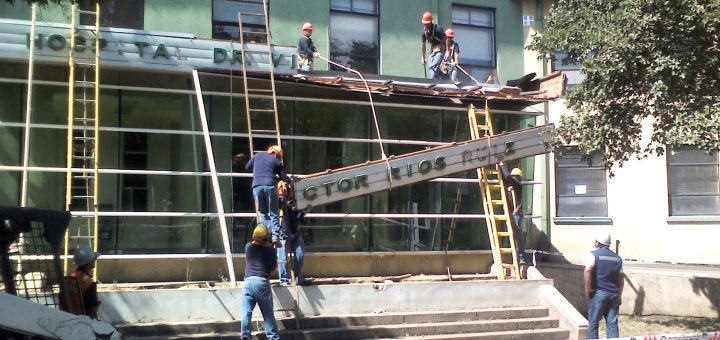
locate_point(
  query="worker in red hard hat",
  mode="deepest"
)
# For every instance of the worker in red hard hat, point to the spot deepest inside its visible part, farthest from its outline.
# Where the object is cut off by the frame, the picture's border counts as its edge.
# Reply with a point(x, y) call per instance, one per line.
point(306, 49)
point(435, 35)
point(453, 57)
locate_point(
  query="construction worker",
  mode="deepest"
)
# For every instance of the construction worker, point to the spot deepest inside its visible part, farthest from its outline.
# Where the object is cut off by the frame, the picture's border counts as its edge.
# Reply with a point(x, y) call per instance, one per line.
point(267, 169)
point(260, 263)
point(453, 54)
point(82, 289)
point(604, 281)
point(435, 35)
point(306, 49)
point(513, 183)
point(292, 242)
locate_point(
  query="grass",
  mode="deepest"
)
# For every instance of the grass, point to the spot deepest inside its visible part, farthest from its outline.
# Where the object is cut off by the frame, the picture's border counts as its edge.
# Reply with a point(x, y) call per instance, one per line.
point(631, 325)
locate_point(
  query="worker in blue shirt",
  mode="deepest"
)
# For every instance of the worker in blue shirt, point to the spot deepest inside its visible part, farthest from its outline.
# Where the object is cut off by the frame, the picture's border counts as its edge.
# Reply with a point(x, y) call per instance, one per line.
point(267, 169)
point(604, 281)
point(453, 59)
point(306, 49)
point(435, 35)
point(260, 262)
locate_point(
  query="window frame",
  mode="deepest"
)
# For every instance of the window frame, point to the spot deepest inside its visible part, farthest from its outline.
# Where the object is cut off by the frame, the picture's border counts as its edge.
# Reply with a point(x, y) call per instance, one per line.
point(578, 218)
point(492, 70)
point(236, 23)
point(375, 15)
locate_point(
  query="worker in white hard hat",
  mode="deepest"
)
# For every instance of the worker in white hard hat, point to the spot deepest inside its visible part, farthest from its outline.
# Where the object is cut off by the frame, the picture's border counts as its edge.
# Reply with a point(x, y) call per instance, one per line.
point(604, 281)
point(306, 49)
point(81, 288)
point(435, 35)
point(513, 183)
point(267, 168)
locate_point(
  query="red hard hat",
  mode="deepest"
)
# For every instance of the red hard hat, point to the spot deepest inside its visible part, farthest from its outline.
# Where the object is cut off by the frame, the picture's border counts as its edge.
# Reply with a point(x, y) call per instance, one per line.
point(450, 33)
point(427, 18)
point(307, 26)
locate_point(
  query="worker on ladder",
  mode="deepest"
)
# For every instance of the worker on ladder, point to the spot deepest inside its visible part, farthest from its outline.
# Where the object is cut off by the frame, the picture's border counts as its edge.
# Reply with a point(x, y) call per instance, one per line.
point(513, 181)
point(435, 35)
point(306, 49)
point(293, 245)
point(267, 169)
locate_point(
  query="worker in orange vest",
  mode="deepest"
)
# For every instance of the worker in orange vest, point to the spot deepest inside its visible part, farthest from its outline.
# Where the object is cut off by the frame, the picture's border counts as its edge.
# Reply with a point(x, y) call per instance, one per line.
point(82, 289)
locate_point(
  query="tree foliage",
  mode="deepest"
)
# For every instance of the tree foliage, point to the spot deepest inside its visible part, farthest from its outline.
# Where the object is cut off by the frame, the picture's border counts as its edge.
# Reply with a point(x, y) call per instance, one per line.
point(651, 62)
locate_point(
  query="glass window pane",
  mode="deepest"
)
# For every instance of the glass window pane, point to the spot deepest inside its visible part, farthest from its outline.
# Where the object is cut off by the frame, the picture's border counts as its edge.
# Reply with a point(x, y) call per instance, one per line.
point(694, 182)
point(477, 45)
point(582, 207)
point(341, 5)
point(409, 124)
point(331, 120)
point(365, 6)
point(117, 13)
point(147, 235)
point(460, 15)
point(694, 179)
point(695, 205)
point(354, 41)
point(690, 155)
point(481, 18)
point(581, 190)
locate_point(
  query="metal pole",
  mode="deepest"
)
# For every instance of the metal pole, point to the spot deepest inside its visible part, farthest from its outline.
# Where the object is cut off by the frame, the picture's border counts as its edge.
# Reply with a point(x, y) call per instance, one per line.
point(28, 110)
point(214, 178)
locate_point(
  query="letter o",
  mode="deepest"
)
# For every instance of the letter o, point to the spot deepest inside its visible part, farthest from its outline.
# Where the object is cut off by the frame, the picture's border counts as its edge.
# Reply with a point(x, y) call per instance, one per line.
point(345, 184)
point(56, 42)
point(425, 166)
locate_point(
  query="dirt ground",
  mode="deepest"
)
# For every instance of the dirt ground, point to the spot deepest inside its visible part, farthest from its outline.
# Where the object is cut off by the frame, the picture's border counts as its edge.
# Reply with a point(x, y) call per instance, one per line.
point(659, 324)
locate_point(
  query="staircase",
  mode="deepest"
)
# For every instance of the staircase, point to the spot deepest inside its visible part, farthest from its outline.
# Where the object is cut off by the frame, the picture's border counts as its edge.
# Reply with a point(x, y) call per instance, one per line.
point(493, 323)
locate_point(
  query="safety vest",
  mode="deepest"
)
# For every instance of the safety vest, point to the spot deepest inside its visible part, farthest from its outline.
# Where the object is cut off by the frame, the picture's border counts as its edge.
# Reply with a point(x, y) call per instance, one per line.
point(76, 285)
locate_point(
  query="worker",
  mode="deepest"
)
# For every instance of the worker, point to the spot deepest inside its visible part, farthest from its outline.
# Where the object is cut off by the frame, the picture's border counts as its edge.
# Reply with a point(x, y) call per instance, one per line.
point(513, 183)
point(604, 281)
point(453, 59)
point(260, 262)
point(267, 169)
point(292, 242)
point(435, 35)
point(82, 289)
point(306, 49)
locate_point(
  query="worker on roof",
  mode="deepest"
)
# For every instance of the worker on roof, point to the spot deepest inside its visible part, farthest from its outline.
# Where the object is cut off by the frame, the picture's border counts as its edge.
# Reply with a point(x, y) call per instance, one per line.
point(267, 169)
point(513, 183)
point(260, 262)
point(306, 49)
point(81, 288)
point(453, 60)
point(435, 35)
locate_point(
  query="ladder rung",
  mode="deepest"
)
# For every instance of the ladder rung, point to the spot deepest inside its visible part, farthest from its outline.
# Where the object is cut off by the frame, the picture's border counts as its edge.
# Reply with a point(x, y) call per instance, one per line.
point(482, 127)
point(84, 82)
point(249, 13)
point(85, 64)
point(82, 196)
point(82, 237)
point(501, 217)
point(84, 176)
point(84, 138)
point(81, 100)
point(498, 202)
point(87, 12)
point(508, 265)
point(264, 131)
point(261, 110)
point(503, 233)
point(260, 90)
point(506, 250)
point(490, 172)
point(83, 119)
point(82, 157)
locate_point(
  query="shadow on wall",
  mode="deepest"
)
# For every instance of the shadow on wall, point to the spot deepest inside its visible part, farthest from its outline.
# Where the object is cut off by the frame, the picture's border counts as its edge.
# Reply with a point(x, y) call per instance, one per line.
point(709, 288)
point(639, 292)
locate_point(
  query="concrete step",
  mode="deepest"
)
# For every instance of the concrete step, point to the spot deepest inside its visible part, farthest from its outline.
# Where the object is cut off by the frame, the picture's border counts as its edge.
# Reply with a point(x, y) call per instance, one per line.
point(335, 321)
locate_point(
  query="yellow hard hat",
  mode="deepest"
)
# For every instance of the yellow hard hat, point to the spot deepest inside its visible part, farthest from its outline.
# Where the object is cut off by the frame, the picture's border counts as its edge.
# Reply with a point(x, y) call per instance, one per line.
point(276, 150)
point(516, 172)
point(260, 232)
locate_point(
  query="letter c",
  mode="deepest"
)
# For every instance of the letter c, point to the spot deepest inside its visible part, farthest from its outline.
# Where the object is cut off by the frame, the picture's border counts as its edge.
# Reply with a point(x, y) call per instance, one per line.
point(310, 193)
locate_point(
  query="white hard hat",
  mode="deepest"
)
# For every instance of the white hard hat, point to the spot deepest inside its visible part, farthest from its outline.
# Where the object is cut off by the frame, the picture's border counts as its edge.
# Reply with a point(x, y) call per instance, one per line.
point(603, 238)
point(84, 255)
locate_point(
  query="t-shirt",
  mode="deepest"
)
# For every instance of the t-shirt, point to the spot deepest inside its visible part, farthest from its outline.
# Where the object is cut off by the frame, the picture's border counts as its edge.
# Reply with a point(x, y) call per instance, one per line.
point(259, 260)
point(306, 48)
point(266, 169)
point(435, 35)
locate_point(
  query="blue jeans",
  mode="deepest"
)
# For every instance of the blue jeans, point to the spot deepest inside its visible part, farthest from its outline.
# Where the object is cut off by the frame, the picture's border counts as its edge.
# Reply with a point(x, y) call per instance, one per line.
point(256, 290)
point(295, 245)
point(519, 236)
point(268, 206)
point(434, 65)
point(607, 305)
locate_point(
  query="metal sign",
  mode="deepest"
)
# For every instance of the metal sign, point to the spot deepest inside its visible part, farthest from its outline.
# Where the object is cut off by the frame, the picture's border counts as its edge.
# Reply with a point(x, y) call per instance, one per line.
point(140, 49)
point(363, 179)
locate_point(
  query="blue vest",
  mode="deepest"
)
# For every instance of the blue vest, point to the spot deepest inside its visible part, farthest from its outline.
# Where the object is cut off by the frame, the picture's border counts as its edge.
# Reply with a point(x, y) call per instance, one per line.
point(606, 273)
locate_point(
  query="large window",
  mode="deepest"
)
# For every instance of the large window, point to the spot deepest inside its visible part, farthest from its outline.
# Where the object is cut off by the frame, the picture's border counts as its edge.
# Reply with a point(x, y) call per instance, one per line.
point(227, 26)
point(580, 188)
point(475, 33)
point(354, 39)
point(693, 182)
point(117, 13)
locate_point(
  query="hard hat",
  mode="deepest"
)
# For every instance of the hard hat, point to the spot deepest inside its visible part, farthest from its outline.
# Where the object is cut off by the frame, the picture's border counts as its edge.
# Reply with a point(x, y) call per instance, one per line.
point(260, 232)
point(276, 150)
point(516, 172)
point(427, 18)
point(603, 238)
point(307, 26)
point(450, 33)
point(84, 255)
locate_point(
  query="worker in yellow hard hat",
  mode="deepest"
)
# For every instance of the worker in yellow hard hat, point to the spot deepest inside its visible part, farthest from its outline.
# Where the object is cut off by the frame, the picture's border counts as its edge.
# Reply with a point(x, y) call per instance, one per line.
point(513, 183)
point(306, 49)
point(260, 263)
point(267, 169)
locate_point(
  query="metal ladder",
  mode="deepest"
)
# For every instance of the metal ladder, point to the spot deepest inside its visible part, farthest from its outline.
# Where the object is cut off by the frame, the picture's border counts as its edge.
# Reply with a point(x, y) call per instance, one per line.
point(258, 112)
point(495, 202)
point(83, 135)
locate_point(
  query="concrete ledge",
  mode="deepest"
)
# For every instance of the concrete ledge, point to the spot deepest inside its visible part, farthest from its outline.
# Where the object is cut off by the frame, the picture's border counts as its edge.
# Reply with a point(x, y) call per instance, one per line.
point(560, 308)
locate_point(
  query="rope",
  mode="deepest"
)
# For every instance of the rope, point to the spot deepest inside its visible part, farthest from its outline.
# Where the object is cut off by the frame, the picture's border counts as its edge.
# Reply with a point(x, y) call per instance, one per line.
point(372, 108)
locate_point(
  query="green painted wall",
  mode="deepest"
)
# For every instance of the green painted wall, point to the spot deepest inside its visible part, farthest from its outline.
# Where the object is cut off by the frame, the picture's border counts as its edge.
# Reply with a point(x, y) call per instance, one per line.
point(185, 16)
point(21, 11)
point(287, 17)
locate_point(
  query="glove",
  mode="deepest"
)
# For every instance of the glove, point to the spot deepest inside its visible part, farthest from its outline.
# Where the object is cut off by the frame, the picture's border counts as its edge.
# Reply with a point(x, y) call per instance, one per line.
point(316, 54)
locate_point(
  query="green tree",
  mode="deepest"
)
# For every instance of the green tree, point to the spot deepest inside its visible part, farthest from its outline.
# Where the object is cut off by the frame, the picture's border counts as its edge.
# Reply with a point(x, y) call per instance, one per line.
point(651, 61)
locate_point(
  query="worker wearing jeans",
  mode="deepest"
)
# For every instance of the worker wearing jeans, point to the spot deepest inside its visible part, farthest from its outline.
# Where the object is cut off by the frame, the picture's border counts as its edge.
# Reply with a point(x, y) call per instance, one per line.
point(604, 280)
point(260, 263)
point(267, 168)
